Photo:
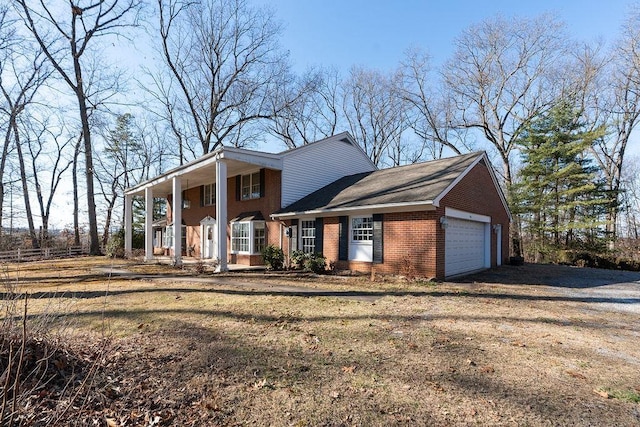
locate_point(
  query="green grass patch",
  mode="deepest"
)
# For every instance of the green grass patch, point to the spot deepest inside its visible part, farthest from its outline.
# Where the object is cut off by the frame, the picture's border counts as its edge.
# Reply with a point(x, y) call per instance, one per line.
point(626, 395)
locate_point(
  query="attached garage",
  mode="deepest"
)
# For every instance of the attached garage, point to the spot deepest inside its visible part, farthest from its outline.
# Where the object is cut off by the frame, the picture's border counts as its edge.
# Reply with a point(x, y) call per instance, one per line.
point(467, 242)
point(438, 219)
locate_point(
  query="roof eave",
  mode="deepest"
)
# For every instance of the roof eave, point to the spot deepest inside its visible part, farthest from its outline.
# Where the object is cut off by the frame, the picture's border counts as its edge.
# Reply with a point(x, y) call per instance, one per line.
point(426, 205)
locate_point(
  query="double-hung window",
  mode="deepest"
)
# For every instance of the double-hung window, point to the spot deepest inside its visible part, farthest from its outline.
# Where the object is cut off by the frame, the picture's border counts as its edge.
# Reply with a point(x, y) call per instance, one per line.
point(248, 237)
point(308, 236)
point(250, 186)
point(209, 195)
point(240, 236)
point(168, 236)
point(259, 236)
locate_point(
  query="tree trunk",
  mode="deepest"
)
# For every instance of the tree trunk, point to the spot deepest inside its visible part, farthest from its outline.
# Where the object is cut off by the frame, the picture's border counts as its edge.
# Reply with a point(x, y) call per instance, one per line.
point(94, 248)
point(107, 222)
point(76, 204)
point(25, 187)
point(3, 164)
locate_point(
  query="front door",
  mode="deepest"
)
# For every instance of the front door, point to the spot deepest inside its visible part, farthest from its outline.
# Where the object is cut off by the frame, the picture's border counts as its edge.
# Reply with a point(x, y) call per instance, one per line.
point(208, 232)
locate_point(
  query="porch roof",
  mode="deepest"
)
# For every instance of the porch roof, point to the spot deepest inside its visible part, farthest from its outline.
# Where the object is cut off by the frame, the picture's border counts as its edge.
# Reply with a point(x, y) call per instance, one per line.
point(202, 170)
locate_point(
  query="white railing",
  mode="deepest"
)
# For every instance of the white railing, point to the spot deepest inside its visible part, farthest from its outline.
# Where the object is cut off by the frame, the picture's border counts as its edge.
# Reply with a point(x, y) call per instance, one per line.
point(20, 255)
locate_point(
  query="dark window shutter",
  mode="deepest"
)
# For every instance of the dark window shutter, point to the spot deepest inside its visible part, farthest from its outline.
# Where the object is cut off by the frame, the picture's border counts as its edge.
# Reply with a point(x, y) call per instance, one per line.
point(201, 195)
point(343, 238)
point(238, 186)
point(294, 224)
point(319, 235)
point(262, 173)
point(378, 244)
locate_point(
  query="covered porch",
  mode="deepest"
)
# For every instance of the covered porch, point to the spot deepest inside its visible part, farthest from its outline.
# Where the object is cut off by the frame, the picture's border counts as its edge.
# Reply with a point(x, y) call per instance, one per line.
point(212, 169)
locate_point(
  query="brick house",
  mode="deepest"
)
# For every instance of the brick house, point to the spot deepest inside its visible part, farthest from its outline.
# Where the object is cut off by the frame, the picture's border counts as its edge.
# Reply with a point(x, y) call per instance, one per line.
point(437, 219)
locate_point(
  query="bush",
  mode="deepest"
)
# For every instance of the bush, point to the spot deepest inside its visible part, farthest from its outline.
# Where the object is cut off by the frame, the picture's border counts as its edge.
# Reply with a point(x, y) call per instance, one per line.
point(297, 259)
point(273, 257)
point(309, 262)
point(115, 245)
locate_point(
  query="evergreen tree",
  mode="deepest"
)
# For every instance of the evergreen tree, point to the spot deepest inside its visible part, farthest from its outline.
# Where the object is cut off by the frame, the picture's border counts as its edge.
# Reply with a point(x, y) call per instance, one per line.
point(559, 197)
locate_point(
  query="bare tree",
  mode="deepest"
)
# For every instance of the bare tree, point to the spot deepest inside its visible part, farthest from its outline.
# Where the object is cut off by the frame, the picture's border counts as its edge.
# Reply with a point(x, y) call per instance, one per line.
point(432, 114)
point(133, 151)
point(23, 70)
point(502, 75)
point(47, 147)
point(121, 158)
point(224, 63)
point(630, 200)
point(65, 37)
point(622, 107)
point(375, 110)
point(312, 108)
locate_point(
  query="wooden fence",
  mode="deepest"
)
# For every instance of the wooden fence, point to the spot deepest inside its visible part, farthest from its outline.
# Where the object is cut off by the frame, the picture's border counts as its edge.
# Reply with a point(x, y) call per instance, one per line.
point(20, 255)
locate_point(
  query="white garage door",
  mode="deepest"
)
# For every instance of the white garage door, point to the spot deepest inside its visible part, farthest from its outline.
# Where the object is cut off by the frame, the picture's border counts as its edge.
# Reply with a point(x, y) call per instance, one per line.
point(464, 246)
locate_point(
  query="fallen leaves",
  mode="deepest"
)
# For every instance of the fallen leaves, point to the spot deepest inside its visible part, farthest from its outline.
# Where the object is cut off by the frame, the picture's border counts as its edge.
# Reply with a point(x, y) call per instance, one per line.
point(348, 369)
point(575, 374)
point(487, 369)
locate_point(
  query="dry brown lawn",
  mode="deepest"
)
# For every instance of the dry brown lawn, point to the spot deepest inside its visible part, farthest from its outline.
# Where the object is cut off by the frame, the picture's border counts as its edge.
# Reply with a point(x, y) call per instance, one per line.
point(257, 349)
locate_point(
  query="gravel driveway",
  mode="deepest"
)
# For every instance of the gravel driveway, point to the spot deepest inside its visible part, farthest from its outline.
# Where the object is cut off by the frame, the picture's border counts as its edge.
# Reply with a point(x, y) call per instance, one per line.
point(609, 290)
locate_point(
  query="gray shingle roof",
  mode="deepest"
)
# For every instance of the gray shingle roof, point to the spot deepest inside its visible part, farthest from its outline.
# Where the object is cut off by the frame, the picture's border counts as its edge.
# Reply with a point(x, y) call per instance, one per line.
point(421, 182)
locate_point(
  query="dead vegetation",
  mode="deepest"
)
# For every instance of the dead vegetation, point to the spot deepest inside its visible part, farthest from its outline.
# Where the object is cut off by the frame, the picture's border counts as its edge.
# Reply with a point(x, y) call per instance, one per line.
point(256, 350)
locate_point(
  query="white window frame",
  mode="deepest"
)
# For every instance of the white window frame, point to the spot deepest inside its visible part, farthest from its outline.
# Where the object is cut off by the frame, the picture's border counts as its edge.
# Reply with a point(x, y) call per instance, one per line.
point(168, 236)
point(210, 198)
point(308, 236)
point(259, 238)
point(361, 234)
point(250, 186)
point(252, 245)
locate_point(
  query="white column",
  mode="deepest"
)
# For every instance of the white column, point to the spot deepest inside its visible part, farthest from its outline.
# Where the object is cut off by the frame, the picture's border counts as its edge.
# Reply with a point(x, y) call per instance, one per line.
point(148, 224)
point(128, 225)
point(177, 221)
point(221, 215)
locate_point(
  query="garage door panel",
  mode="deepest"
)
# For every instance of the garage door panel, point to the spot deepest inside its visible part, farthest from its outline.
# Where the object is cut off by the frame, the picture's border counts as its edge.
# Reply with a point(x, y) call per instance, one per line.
point(464, 246)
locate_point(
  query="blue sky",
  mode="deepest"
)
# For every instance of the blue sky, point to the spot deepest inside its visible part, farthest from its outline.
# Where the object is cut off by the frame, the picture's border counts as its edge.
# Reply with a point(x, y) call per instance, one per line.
point(375, 33)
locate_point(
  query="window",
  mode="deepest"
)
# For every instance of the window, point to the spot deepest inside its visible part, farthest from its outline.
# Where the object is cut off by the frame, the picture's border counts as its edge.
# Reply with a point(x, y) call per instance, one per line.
point(240, 236)
point(258, 237)
point(308, 236)
point(248, 236)
point(168, 236)
point(362, 229)
point(250, 186)
point(209, 196)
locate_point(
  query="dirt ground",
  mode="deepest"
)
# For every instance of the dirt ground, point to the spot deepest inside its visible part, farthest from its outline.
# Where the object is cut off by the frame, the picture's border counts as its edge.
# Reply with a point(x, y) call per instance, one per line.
point(528, 345)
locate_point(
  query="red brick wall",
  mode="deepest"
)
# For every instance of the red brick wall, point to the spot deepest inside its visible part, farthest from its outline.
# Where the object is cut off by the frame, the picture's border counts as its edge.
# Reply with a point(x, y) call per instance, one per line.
point(267, 205)
point(410, 240)
point(330, 244)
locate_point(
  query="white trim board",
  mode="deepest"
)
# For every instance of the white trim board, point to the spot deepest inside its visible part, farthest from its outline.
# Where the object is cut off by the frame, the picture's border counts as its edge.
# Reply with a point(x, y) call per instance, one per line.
point(455, 213)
